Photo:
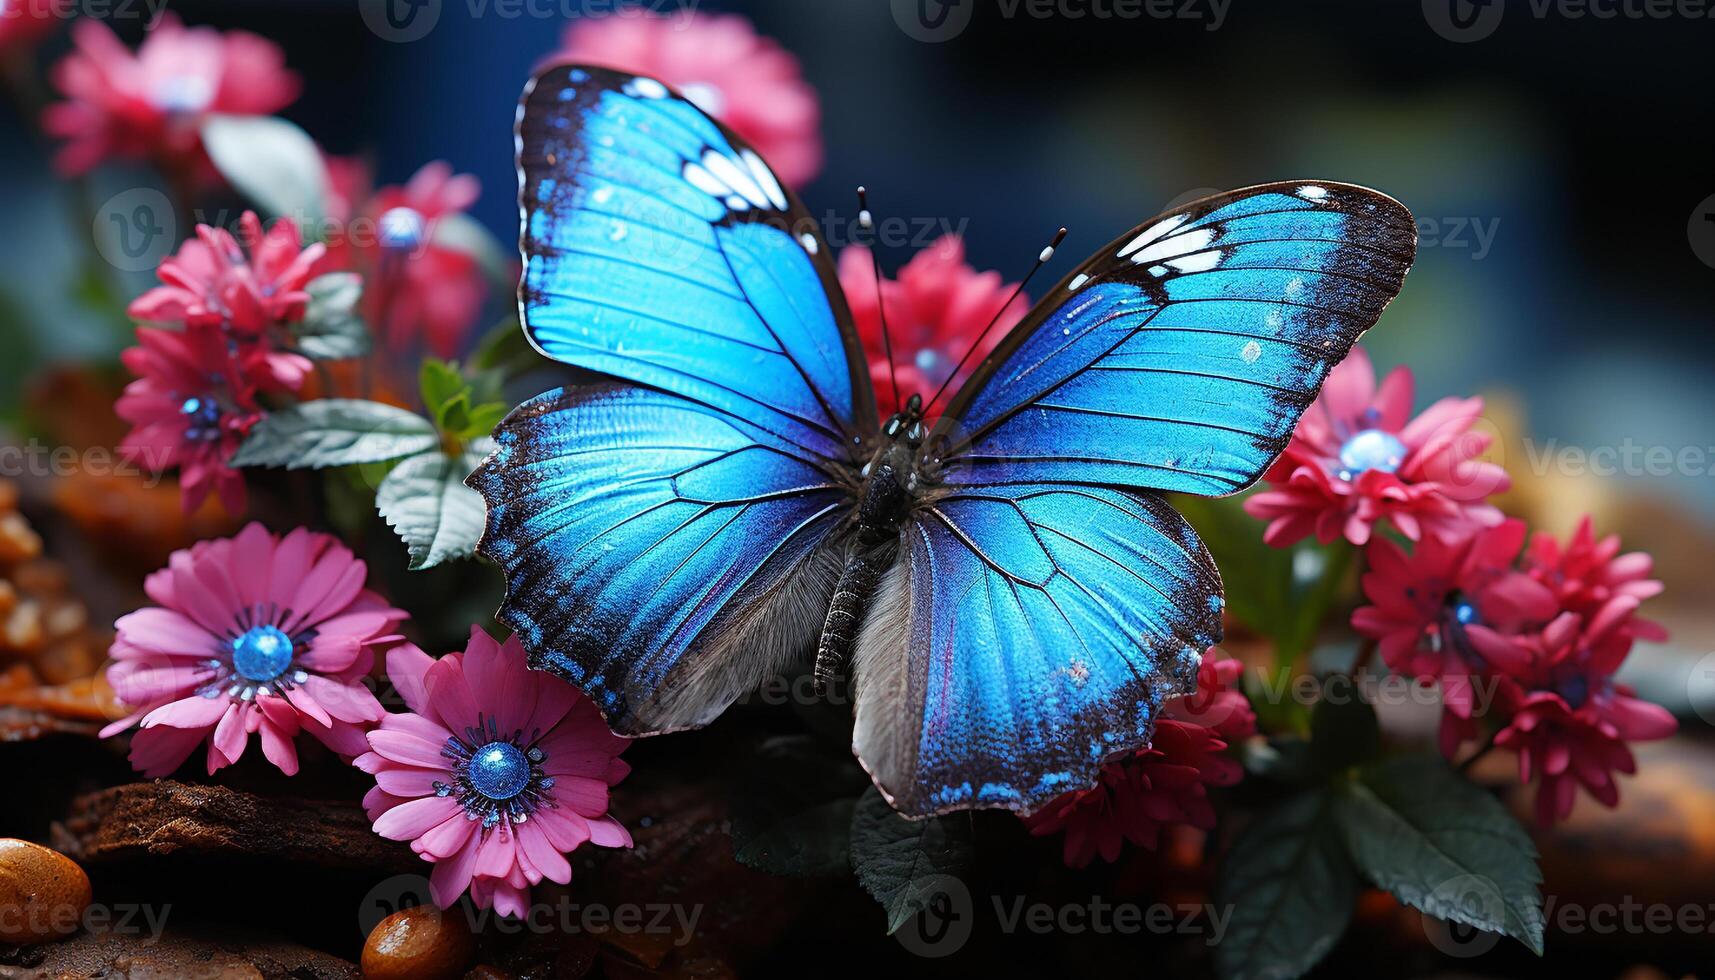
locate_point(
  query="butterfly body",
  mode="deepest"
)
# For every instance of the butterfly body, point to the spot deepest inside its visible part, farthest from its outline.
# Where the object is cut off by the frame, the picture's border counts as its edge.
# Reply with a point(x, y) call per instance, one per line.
point(1008, 589)
point(891, 480)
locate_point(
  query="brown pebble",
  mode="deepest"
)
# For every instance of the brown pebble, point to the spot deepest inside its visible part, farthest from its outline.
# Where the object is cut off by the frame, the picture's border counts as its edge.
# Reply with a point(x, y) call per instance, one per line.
point(421, 943)
point(43, 893)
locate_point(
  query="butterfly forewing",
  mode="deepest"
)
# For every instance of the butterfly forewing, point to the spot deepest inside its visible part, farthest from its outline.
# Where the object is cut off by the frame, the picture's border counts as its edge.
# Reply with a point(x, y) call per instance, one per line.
point(659, 248)
point(1180, 356)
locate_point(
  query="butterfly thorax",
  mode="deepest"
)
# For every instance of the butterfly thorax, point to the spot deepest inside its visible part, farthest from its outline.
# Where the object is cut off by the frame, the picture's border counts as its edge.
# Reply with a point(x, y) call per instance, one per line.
point(888, 486)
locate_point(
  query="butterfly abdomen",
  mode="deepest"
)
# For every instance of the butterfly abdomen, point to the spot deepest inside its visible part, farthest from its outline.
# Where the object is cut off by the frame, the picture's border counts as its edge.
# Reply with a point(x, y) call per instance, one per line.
point(872, 553)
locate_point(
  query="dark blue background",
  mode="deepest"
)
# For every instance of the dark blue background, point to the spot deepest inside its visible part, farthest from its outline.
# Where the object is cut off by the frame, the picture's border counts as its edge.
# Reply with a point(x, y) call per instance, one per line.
point(1582, 143)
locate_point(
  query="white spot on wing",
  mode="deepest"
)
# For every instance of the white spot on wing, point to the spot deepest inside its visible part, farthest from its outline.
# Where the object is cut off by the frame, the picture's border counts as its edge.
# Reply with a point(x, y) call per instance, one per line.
point(704, 181)
point(809, 242)
point(765, 178)
point(1191, 241)
point(1153, 232)
point(646, 88)
point(1077, 282)
point(1250, 352)
point(1310, 192)
point(734, 177)
point(1197, 262)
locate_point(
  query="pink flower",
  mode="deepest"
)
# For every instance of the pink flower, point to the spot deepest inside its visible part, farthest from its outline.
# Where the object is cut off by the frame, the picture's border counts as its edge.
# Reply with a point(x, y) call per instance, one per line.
point(720, 63)
point(418, 291)
point(249, 288)
point(495, 774)
point(1426, 606)
point(1160, 786)
point(1358, 458)
point(1570, 721)
point(27, 21)
point(251, 634)
point(1588, 576)
point(151, 104)
point(935, 310)
point(190, 407)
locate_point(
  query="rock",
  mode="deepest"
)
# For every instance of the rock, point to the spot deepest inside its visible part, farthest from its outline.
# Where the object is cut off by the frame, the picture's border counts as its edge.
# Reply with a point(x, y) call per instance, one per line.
point(173, 954)
point(420, 943)
point(43, 893)
point(146, 820)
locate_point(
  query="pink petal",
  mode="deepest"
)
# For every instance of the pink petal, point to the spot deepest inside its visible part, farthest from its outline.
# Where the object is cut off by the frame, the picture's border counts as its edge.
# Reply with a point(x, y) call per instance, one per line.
point(415, 817)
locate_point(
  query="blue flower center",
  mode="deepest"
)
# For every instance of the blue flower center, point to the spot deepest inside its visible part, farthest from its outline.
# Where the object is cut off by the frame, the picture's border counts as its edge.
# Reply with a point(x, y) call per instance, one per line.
point(1371, 449)
point(202, 419)
point(499, 771)
point(401, 228)
point(1576, 691)
point(1463, 611)
point(182, 94)
point(261, 654)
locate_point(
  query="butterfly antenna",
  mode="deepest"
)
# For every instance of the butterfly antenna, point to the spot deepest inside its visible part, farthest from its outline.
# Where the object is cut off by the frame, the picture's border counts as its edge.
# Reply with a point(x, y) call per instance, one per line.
point(866, 221)
point(1041, 260)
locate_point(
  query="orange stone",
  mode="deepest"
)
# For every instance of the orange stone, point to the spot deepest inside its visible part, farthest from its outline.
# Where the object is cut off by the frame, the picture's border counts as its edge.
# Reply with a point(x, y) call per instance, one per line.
point(43, 893)
point(421, 943)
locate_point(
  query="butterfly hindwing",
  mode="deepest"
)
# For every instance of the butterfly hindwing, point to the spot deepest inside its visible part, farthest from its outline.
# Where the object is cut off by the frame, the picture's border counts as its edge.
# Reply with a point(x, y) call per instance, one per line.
point(1027, 634)
point(1050, 601)
point(660, 249)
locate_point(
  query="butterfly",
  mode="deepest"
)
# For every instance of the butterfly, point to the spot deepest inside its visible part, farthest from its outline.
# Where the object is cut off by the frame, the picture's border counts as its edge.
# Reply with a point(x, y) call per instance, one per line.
point(1013, 595)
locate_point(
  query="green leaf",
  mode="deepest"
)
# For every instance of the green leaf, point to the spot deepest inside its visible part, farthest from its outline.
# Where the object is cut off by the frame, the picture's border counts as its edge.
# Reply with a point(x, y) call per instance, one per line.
point(463, 233)
point(899, 860)
point(506, 350)
point(441, 384)
point(332, 329)
point(454, 416)
point(1284, 759)
point(792, 811)
point(483, 419)
point(426, 502)
point(1343, 728)
point(1444, 846)
point(273, 163)
point(336, 432)
point(1290, 890)
point(1282, 593)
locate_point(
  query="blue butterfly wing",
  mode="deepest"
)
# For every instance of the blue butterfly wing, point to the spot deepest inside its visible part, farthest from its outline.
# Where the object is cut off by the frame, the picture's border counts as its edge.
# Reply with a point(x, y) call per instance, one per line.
point(660, 249)
point(1028, 634)
point(1050, 600)
point(1181, 356)
point(670, 540)
point(650, 543)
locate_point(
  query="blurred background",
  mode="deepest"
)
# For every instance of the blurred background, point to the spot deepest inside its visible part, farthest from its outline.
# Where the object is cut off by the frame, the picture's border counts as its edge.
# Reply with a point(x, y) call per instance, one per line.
point(1560, 167)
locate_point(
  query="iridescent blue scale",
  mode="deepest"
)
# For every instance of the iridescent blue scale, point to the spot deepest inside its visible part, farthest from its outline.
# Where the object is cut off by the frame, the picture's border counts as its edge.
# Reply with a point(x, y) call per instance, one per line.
point(672, 536)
